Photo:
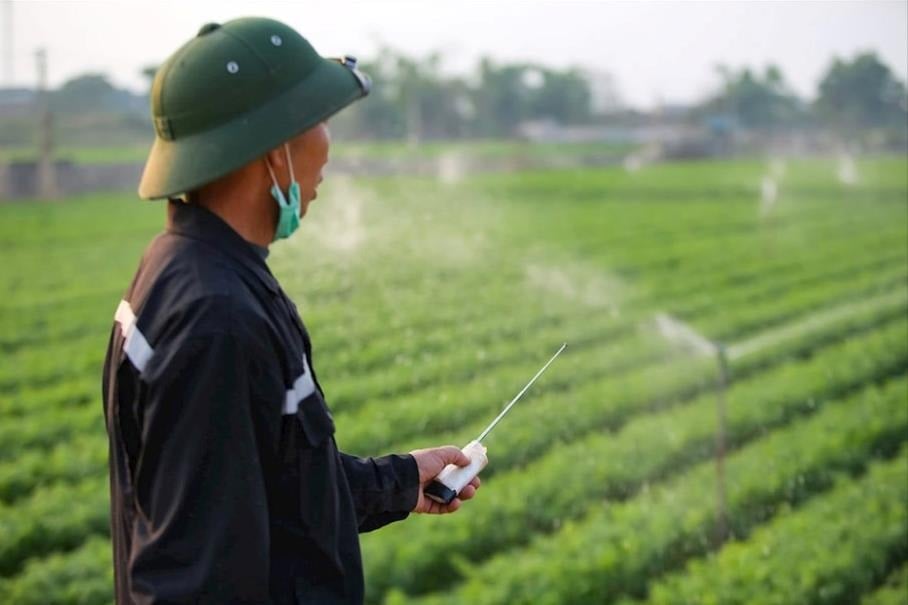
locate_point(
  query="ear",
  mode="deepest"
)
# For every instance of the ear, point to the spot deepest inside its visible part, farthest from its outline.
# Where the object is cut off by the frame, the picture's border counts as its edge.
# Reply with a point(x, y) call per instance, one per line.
point(278, 159)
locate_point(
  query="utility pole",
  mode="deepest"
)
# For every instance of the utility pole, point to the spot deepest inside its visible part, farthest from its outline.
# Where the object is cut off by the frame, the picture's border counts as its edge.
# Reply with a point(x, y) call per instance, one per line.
point(47, 181)
point(721, 498)
point(8, 48)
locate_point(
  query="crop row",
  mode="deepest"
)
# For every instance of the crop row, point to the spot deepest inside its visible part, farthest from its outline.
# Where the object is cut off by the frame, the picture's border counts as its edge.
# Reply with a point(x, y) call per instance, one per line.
point(535, 498)
point(643, 254)
point(83, 576)
point(471, 305)
point(618, 548)
point(47, 425)
point(687, 254)
point(48, 430)
point(732, 294)
point(72, 460)
point(58, 517)
point(45, 429)
point(347, 383)
point(60, 396)
point(733, 325)
point(69, 461)
point(69, 359)
point(728, 324)
point(46, 519)
point(75, 307)
point(832, 550)
point(892, 591)
point(594, 403)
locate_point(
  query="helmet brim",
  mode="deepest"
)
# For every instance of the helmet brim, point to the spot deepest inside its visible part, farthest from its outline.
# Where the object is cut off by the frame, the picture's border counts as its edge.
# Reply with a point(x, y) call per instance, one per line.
point(179, 166)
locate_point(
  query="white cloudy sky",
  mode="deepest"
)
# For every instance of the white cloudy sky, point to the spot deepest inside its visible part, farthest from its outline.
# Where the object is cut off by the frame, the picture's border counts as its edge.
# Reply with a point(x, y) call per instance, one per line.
point(655, 50)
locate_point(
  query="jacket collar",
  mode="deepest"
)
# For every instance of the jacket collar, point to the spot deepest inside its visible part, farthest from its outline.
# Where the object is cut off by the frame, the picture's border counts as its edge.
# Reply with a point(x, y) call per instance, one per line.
point(197, 222)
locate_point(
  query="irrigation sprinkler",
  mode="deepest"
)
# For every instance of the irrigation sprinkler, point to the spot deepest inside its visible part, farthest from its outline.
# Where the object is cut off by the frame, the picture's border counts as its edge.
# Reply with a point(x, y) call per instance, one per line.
point(769, 195)
point(676, 331)
point(847, 170)
point(641, 158)
point(454, 478)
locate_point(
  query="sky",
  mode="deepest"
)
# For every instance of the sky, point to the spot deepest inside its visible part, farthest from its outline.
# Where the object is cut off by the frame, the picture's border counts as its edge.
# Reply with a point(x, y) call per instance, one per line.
point(656, 52)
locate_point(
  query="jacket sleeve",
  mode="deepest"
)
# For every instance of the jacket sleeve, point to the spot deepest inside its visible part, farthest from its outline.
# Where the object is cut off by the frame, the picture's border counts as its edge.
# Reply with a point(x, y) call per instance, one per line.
point(384, 488)
point(202, 532)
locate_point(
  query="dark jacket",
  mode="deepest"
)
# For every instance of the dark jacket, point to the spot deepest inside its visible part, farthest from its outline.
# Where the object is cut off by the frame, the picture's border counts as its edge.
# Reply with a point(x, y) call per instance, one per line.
point(226, 484)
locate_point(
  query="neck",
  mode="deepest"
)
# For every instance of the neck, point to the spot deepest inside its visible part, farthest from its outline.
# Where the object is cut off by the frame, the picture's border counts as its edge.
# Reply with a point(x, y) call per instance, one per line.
point(242, 202)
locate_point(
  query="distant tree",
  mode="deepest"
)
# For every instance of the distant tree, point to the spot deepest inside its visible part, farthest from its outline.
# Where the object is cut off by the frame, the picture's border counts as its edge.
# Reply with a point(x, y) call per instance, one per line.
point(564, 96)
point(861, 94)
point(507, 95)
point(501, 98)
point(379, 116)
point(413, 98)
point(85, 93)
point(430, 99)
point(756, 102)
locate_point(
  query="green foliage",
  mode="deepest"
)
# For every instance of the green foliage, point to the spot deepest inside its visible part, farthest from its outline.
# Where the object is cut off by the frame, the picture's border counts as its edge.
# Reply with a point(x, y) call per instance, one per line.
point(862, 93)
point(430, 305)
point(617, 547)
point(415, 99)
point(89, 92)
point(755, 102)
point(894, 590)
point(540, 497)
point(83, 576)
point(830, 551)
point(58, 517)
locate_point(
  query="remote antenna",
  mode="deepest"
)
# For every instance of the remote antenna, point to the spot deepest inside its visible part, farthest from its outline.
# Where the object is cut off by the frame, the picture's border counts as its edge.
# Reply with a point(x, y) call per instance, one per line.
point(519, 395)
point(445, 487)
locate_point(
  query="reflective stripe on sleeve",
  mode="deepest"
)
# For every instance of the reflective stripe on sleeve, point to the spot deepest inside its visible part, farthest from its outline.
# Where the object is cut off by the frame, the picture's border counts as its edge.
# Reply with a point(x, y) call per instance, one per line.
point(303, 386)
point(136, 347)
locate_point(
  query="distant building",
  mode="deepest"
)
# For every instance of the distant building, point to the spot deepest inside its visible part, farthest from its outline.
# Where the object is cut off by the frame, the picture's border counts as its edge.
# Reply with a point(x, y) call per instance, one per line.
point(641, 133)
point(17, 102)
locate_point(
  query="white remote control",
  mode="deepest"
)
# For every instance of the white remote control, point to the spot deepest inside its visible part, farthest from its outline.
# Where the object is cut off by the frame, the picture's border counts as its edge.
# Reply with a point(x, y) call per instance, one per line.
point(447, 485)
point(454, 478)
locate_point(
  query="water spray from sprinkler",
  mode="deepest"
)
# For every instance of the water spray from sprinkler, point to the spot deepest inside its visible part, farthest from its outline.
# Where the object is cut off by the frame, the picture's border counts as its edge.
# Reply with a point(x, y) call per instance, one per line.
point(769, 186)
point(777, 168)
point(451, 167)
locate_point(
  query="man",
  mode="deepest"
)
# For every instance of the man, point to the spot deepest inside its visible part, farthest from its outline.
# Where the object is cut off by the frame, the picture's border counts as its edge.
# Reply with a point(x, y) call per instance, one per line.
point(226, 483)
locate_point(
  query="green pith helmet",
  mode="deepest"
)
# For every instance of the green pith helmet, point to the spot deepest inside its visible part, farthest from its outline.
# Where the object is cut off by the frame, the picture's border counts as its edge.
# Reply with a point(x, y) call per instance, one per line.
point(233, 93)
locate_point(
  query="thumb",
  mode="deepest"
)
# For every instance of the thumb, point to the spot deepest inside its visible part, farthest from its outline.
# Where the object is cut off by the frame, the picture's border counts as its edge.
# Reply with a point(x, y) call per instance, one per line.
point(451, 454)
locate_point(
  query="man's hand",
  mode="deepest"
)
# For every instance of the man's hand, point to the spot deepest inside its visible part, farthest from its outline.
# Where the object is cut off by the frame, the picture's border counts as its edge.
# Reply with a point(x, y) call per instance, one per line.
point(431, 461)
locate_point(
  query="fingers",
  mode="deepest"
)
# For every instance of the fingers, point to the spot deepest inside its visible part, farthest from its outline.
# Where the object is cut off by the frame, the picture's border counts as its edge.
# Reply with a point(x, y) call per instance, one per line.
point(431, 461)
point(470, 489)
point(436, 508)
point(452, 454)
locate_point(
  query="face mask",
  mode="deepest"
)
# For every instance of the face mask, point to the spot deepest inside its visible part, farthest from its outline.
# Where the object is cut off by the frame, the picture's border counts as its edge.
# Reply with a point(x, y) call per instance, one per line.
point(288, 219)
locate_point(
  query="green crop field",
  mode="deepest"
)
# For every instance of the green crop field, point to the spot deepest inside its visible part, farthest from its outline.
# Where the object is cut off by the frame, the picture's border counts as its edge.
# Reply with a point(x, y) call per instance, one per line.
point(430, 304)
